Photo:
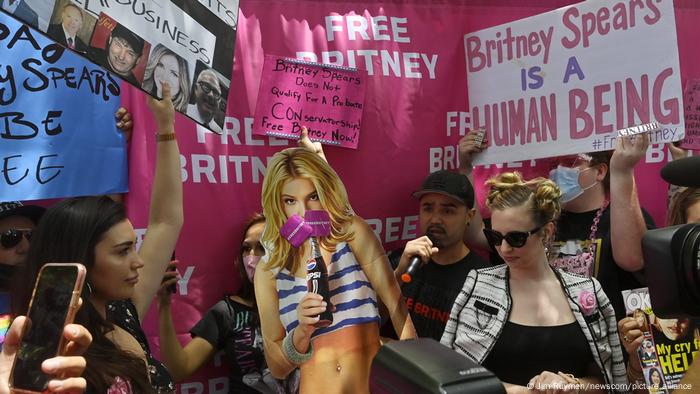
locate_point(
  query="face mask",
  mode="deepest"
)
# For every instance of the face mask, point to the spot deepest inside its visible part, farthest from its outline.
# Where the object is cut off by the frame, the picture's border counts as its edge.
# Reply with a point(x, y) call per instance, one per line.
point(249, 263)
point(567, 180)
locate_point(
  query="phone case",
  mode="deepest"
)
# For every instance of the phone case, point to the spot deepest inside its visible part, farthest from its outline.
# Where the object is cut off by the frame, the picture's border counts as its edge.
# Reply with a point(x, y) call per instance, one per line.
point(70, 316)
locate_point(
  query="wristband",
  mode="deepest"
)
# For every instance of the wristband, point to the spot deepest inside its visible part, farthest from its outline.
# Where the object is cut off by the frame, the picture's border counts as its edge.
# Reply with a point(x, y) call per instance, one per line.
point(292, 353)
point(165, 137)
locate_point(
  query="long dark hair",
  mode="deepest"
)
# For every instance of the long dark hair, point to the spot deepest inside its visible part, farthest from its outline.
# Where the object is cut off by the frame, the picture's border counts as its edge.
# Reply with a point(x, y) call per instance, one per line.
point(247, 291)
point(68, 233)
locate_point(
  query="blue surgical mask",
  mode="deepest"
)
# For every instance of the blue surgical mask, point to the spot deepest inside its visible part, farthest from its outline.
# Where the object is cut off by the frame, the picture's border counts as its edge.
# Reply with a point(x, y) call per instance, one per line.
point(567, 180)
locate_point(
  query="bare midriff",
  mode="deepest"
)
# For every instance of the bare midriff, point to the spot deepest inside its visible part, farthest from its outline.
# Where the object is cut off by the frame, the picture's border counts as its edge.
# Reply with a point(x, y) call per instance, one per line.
point(341, 361)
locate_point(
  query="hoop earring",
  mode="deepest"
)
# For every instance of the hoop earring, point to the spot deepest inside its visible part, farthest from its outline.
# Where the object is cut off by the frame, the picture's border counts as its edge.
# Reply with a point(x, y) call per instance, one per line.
point(89, 288)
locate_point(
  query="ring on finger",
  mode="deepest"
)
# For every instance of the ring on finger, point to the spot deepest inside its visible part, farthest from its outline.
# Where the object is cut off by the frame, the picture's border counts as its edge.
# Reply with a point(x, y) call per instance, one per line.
point(626, 338)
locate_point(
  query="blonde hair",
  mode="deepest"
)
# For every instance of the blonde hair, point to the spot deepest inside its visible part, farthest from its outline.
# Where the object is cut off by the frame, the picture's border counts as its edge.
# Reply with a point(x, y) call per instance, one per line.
point(540, 195)
point(301, 163)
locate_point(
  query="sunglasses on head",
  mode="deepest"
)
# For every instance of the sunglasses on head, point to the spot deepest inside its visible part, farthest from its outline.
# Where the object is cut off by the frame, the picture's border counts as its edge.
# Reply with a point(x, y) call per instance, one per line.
point(516, 239)
point(12, 237)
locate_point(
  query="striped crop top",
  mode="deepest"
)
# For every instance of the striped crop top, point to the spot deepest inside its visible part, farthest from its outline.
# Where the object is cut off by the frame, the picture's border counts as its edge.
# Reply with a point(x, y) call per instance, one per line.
point(353, 296)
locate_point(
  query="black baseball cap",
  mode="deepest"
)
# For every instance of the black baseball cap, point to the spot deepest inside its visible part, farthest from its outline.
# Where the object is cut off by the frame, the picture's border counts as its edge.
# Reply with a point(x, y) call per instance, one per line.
point(16, 208)
point(134, 41)
point(450, 184)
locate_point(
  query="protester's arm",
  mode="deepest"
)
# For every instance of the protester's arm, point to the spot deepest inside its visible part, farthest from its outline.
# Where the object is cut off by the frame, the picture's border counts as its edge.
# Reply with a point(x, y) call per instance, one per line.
point(305, 142)
point(69, 367)
point(370, 254)
point(181, 362)
point(166, 214)
point(272, 330)
point(627, 226)
point(474, 236)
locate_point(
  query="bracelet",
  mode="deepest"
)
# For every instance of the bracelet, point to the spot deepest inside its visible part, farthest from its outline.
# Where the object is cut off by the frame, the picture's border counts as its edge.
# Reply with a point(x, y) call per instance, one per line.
point(165, 137)
point(292, 353)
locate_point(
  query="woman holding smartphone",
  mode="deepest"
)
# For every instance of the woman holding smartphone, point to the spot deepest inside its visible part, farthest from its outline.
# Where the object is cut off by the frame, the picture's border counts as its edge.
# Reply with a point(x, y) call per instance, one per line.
point(232, 325)
point(335, 358)
point(121, 281)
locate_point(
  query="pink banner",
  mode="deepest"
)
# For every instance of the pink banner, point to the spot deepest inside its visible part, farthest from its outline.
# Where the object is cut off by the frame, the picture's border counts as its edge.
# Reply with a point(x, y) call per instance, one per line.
point(415, 111)
point(326, 99)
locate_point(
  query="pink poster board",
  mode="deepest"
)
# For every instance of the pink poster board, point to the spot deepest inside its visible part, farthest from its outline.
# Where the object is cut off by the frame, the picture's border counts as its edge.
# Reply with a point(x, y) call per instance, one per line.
point(691, 100)
point(327, 99)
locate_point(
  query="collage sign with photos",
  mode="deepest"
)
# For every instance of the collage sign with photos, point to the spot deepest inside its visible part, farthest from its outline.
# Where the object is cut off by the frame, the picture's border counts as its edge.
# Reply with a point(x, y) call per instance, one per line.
point(182, 42)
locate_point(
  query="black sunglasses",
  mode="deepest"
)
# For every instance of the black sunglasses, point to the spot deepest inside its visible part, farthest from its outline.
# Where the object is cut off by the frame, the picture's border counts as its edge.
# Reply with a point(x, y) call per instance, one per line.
point(208, 89)
point(12, 237)
point(516, 239)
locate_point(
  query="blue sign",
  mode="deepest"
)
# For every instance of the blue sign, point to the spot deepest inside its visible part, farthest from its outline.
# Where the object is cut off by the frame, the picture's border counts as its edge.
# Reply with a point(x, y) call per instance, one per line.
point(58, 134)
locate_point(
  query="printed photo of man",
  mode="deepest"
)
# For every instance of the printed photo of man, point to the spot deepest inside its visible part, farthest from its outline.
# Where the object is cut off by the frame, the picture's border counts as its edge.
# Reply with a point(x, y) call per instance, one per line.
point(207, 93)
point(21, 10)
point(121, 54)
point(66, 32)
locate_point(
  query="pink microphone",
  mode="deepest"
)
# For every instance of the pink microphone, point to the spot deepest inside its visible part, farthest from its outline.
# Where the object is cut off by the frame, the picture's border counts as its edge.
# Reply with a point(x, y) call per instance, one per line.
point(319, 221)
point(295, 230)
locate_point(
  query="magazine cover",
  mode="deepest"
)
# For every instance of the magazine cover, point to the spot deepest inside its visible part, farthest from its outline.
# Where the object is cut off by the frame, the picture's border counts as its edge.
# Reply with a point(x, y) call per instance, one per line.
point(669, 345)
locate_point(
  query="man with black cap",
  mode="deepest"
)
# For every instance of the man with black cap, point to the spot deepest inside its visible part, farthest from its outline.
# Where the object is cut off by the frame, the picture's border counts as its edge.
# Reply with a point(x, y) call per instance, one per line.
point(121, 54)
point(446, 202)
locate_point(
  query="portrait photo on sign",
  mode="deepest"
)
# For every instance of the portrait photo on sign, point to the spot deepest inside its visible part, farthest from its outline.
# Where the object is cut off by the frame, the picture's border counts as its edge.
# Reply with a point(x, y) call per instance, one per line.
point(119, 50)
point(34, 13)
point(208, 98)
point(71, 26)
point(165, 65)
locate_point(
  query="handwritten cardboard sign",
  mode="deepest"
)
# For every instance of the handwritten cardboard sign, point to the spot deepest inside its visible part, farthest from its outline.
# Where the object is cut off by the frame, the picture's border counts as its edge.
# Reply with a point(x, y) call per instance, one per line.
point(327, 99)
point(691, 100)
point(58, 136)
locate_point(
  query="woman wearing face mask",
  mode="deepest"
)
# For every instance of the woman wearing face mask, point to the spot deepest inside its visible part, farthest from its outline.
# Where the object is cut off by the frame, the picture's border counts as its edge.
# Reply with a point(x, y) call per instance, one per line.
point(600, 229)
point(231, 325)
point(532, 325)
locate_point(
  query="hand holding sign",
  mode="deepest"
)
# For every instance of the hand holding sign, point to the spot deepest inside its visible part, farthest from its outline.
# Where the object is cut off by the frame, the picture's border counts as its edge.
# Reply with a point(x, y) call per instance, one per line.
point(474, 142)
point(124, 122)
point(163, 110)
point(628, 152)
point(305, 142)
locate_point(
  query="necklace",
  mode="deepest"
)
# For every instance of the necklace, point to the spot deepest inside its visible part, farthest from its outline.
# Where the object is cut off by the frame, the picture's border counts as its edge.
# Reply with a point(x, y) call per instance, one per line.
point(583, 261)
point(596, 220)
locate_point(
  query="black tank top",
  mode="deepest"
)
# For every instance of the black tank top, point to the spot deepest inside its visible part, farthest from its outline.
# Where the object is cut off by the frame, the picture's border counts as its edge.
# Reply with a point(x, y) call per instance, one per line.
point(522, 352)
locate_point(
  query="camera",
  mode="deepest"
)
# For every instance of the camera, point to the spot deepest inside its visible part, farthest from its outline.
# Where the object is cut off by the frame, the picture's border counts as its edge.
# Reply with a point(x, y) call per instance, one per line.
point(672, 264)
point(672, 254)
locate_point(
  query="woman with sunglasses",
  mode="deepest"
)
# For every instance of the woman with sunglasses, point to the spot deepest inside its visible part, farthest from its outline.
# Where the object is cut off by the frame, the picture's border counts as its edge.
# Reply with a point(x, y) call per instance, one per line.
point(529, 323)
point(600, 229)
point(232, 325)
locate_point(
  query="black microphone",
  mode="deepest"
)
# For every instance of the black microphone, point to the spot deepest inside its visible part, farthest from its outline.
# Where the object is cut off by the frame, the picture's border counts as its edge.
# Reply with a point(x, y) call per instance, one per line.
point(415, 263)
point(683, 172)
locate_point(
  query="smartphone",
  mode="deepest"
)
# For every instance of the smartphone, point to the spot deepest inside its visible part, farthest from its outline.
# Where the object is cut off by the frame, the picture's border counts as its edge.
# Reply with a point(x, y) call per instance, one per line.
point(55, 301)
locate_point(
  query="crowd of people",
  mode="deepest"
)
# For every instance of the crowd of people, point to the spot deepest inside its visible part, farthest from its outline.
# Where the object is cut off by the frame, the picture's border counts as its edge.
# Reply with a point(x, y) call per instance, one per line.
point(541, 293)
point(557, 253)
